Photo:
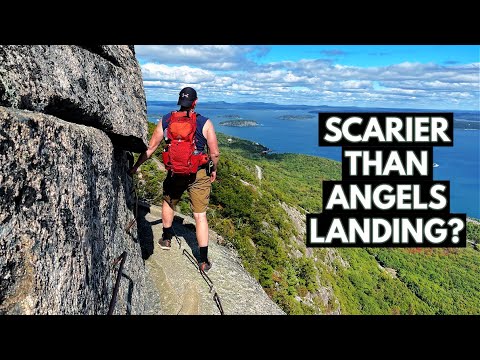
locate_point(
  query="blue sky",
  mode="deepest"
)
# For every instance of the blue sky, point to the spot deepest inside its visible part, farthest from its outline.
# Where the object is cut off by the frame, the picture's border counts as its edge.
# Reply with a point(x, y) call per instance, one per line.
point(417, 76)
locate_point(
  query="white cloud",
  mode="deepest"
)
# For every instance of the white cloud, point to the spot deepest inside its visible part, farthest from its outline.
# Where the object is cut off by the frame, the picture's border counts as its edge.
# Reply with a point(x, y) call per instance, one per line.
point(315, 82)
point(356, 84)
point(188, 74)
point(218, 57)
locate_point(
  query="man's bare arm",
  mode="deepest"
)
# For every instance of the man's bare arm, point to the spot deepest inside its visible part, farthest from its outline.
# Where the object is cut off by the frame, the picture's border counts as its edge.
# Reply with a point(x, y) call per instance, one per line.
point(152, 146)
point(211, 136)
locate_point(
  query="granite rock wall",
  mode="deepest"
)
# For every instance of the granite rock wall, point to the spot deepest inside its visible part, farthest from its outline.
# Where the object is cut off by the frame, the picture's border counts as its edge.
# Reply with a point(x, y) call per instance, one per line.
point(69, 115)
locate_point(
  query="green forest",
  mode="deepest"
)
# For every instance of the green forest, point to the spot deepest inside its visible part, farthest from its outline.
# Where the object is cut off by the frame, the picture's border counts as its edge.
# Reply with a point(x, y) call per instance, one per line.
point(260, 218)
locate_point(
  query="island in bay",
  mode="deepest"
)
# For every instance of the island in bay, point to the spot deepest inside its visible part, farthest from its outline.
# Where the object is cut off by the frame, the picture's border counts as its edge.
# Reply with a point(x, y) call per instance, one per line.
point(239, 123)
point(296, 117)
point(232, 116)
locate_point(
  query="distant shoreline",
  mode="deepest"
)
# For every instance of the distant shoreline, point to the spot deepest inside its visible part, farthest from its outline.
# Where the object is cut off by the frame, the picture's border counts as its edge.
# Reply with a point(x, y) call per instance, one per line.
point(240, 123)
point(296, 117)
point(459, 113)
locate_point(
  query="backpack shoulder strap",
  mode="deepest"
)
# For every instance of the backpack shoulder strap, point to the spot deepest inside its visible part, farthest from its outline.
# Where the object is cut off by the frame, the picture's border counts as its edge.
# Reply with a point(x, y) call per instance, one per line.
point(172, 114)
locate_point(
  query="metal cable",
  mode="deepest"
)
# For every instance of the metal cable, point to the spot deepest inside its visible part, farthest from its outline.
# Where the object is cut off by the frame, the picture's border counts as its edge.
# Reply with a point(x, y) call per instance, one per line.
point(216, 297)
point(134, 220)
point(113, 301)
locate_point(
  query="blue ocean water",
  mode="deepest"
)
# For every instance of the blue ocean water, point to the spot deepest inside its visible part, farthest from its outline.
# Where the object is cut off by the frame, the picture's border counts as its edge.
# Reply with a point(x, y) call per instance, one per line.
point(459, 164)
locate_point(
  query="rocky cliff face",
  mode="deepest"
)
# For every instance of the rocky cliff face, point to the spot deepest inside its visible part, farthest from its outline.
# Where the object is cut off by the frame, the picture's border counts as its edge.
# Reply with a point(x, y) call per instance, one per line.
point(68, 116)
point(99, 86)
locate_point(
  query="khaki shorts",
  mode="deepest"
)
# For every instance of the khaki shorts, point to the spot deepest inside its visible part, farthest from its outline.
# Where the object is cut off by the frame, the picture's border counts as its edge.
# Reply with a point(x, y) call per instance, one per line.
point(197, 185)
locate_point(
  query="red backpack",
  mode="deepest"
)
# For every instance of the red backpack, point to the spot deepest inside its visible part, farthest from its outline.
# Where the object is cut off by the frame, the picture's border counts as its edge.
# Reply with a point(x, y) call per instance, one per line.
point(179, 156)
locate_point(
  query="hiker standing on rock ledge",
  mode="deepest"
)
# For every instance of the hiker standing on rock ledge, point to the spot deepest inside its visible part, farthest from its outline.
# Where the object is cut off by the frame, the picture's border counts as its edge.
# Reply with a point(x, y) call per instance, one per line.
point(189, 167)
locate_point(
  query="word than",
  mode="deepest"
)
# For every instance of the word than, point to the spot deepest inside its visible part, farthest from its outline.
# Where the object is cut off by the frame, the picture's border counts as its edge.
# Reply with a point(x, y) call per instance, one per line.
point(385, 165)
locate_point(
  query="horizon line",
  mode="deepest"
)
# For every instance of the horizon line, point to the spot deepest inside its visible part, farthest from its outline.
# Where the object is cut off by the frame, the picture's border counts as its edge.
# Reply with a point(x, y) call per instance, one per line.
point(316, 106)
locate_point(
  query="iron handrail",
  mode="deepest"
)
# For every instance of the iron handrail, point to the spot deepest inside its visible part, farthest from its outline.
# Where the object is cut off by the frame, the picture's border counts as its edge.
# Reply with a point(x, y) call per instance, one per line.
point(113, 301)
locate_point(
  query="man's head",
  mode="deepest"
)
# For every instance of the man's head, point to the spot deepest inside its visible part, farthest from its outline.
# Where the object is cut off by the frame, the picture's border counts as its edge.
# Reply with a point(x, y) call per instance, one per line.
point(187, 97)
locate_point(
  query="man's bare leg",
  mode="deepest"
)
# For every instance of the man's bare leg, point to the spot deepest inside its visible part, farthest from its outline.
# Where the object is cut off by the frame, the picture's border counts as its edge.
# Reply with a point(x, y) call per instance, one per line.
point(167, 215)
point(167, 220)
point(201, 225)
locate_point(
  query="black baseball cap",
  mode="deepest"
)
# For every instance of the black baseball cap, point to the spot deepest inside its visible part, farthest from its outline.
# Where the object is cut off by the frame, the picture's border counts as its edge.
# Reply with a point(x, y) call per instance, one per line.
point(187, 96)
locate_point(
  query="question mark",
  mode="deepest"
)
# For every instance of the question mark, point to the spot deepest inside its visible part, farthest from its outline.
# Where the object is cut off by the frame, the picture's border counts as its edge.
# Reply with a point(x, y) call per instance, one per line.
point(457, 226)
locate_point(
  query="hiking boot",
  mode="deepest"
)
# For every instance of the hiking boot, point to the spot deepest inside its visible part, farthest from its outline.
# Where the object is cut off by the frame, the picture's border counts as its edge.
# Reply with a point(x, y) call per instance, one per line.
point(205, 266)
point(165, 242)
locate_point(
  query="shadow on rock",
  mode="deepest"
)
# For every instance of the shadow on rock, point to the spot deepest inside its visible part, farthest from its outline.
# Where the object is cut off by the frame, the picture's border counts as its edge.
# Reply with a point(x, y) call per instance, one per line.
point(187, 231)
point(145, 233)
point(130, 292)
